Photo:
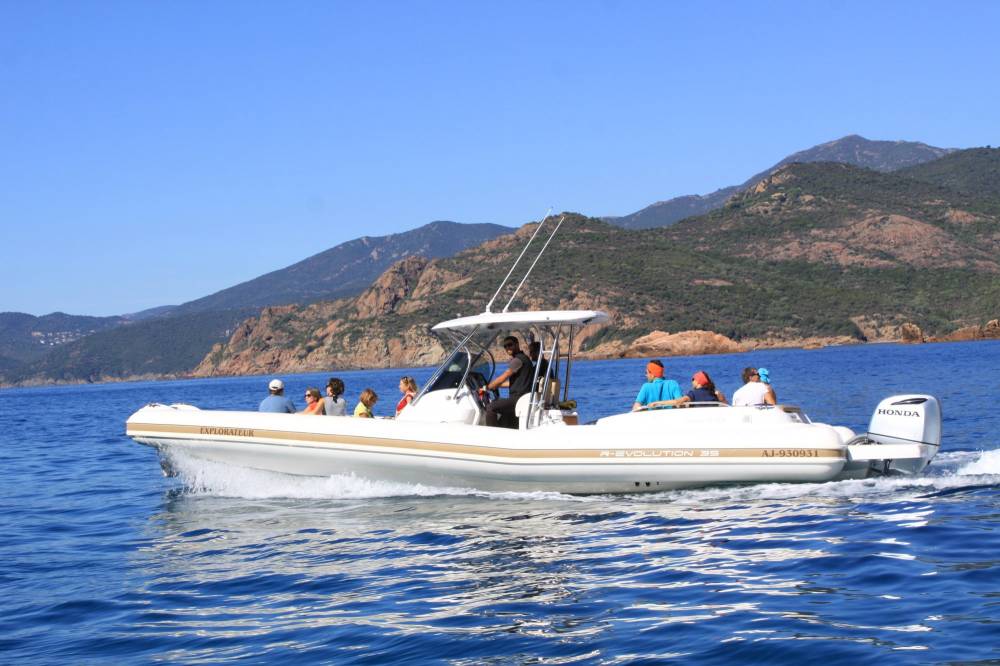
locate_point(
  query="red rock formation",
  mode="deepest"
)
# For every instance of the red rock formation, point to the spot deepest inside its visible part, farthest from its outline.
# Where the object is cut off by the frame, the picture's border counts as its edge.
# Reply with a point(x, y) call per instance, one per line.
point(991, 331)
point(910, 332)
point(387, 292)
point(685, 343)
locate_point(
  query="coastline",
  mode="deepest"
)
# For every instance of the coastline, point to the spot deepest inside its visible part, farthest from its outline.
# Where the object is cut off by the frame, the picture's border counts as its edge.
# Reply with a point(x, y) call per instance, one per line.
point(604, 352)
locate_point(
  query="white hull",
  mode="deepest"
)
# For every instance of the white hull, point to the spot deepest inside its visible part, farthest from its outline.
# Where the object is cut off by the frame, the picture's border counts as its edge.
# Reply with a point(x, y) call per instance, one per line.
point(635, 452)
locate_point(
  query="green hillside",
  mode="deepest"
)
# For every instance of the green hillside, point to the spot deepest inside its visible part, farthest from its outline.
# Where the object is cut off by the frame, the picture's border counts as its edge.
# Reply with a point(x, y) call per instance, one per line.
point(646, 280)
point(801, 199)
point(975, 172)
point(854, 150)
point(817, 249)
point(155, 347)
point(346, 269)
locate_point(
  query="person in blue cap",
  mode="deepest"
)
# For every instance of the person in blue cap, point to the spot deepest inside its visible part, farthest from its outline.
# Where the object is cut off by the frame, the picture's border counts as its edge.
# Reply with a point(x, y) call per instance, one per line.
point(755, 391)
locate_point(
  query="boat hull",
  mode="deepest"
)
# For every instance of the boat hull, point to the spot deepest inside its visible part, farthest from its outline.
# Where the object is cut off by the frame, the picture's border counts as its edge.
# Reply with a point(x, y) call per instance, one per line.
point(619, 455)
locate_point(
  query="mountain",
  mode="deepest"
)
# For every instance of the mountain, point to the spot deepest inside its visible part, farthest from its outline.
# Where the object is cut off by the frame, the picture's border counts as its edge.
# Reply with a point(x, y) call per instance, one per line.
point(25, 338)
point(815, 250)
point(975, 171)
point(344, 270)
point(61, 347)
point(165, 347)
point(818, 250)
point(856, 150)
point(837, 214)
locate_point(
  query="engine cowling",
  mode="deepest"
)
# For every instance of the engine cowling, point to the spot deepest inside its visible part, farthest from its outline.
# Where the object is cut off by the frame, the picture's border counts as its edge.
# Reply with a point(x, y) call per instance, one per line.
point(908, 419)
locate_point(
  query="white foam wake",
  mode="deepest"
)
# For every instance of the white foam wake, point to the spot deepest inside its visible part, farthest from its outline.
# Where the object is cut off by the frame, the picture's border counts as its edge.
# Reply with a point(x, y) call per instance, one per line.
point(988, 463)
point(202, 477)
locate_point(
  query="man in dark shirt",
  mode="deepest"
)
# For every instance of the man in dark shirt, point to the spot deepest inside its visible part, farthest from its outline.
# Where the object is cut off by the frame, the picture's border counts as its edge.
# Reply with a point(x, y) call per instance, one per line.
point(518, 377)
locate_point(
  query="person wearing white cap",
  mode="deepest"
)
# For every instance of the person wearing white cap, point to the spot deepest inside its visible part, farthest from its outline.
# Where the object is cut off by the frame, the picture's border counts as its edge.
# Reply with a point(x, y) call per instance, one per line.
point(276, 401)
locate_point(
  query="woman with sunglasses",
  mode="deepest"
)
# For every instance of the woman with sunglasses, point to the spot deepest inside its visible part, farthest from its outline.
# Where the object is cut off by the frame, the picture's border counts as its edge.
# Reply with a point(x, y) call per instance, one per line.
point(314, 402)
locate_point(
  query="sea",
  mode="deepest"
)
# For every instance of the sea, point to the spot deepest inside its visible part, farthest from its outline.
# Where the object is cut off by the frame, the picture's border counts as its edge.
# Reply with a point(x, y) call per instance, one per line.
point(105, 561)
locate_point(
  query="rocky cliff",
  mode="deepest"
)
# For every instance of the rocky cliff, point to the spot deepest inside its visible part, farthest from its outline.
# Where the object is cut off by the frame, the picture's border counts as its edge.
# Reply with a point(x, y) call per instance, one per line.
point(388, 325)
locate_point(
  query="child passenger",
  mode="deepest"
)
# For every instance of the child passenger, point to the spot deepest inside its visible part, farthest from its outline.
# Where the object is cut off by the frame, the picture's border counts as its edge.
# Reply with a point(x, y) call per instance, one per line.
point(364, 408)
point(408, 387)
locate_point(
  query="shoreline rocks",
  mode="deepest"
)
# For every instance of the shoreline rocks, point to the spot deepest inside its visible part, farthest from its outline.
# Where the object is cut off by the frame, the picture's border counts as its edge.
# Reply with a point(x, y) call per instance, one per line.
point(255, 349)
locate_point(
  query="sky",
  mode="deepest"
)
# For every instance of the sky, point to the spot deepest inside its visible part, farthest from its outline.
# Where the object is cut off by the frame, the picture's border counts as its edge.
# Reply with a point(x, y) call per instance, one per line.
point(155, 152)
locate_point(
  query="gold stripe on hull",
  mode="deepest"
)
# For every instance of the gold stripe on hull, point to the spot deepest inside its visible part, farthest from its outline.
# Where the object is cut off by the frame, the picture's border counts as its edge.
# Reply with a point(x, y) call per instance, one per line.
point(616, 454)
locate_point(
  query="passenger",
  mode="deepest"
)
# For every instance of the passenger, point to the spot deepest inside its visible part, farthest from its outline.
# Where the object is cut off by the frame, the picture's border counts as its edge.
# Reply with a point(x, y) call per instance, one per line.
point(765, 378)
point(754, 392)
point(657, 392)
point(276, 400)
point(535, 354)
point(518, 376)
point(334, 403)
point(702, 390)
point(314, 402)
point(364, 407)
point(408, 387)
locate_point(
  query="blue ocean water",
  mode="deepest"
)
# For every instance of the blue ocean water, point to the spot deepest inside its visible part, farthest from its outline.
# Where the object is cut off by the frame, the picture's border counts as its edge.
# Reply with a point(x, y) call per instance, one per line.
point(103, 560)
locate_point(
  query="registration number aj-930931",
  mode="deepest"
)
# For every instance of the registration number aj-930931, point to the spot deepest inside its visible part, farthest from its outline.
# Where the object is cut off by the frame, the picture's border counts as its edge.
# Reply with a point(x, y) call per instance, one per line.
point(790, 453)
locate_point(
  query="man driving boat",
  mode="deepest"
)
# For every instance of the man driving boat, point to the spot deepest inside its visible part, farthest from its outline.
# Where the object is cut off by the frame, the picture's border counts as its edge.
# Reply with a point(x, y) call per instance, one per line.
point(518, 377)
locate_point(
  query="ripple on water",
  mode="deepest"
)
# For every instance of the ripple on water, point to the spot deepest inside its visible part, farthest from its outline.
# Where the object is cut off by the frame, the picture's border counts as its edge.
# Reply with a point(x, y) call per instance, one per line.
point(103, 560)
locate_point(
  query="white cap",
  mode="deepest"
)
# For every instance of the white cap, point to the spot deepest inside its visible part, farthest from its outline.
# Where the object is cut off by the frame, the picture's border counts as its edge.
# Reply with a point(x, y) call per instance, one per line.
point(276, 385)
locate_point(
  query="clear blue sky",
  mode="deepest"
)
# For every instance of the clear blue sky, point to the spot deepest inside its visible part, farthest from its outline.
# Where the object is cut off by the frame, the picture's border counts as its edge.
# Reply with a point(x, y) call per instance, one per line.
point(156, 152)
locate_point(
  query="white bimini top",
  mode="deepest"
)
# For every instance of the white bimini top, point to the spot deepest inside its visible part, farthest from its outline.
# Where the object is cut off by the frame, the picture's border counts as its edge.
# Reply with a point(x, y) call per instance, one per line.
point(504, 320)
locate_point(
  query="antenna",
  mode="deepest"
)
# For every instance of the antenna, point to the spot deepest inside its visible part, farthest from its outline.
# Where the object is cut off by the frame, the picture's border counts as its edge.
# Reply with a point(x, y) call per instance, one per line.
point(532, 267)
point(490, 304)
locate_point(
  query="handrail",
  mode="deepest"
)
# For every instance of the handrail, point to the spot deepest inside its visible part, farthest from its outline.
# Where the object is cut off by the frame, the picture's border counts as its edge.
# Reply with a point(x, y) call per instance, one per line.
point(569, 362)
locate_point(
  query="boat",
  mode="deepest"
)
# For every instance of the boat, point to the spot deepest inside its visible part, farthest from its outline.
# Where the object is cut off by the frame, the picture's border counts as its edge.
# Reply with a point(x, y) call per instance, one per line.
point(441, 439)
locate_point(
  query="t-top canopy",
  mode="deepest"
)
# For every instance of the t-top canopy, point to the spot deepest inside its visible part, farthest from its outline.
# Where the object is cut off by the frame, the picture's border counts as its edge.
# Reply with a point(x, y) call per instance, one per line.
point(504, 320)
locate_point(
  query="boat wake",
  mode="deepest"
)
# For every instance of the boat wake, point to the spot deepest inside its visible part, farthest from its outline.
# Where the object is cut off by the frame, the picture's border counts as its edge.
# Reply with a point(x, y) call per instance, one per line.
point(206, 478)
point(955, 471)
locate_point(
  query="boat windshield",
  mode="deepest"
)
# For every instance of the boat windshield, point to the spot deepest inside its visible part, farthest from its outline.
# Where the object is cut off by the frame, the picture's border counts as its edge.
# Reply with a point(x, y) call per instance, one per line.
point(456, 369)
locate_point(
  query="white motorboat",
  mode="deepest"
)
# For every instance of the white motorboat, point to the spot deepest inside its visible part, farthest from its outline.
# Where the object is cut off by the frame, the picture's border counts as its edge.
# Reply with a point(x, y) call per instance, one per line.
point(441, 438)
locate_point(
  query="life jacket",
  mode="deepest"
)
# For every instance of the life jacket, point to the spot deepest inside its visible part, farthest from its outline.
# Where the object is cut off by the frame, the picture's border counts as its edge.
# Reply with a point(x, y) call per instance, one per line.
point(402, 402)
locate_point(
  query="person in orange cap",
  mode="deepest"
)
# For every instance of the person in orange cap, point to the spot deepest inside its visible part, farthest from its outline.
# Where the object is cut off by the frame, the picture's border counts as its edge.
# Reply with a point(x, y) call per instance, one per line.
point(663, 392)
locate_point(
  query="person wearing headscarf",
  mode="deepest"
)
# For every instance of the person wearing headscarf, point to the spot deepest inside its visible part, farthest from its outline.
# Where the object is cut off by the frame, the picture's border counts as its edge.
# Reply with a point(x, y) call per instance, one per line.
point(755, 392)
point(703, 390)
point(657, 392)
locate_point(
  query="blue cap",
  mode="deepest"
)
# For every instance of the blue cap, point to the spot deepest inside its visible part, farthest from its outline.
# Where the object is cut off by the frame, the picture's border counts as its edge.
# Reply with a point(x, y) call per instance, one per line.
point(765, 376)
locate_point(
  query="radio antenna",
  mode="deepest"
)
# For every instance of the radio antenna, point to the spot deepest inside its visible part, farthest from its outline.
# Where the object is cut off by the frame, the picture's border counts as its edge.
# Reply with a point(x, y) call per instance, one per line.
point(502, 284)
point(532, 267)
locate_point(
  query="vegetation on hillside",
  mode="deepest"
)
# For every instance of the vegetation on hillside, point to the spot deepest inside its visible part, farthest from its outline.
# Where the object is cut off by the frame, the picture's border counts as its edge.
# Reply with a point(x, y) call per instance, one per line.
point(156, 347)
point(809, 251)
point(975, 172)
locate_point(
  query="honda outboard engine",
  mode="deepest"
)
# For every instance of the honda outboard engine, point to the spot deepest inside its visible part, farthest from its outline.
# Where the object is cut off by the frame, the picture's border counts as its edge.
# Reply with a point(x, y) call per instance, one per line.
point(907, 419)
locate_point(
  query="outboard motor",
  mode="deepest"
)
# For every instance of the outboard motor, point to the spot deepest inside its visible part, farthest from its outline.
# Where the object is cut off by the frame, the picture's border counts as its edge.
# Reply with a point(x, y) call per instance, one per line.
point(908, 420)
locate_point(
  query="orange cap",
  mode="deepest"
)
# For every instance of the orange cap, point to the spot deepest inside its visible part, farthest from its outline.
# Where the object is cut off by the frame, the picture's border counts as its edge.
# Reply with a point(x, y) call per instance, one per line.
point(654, 369)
